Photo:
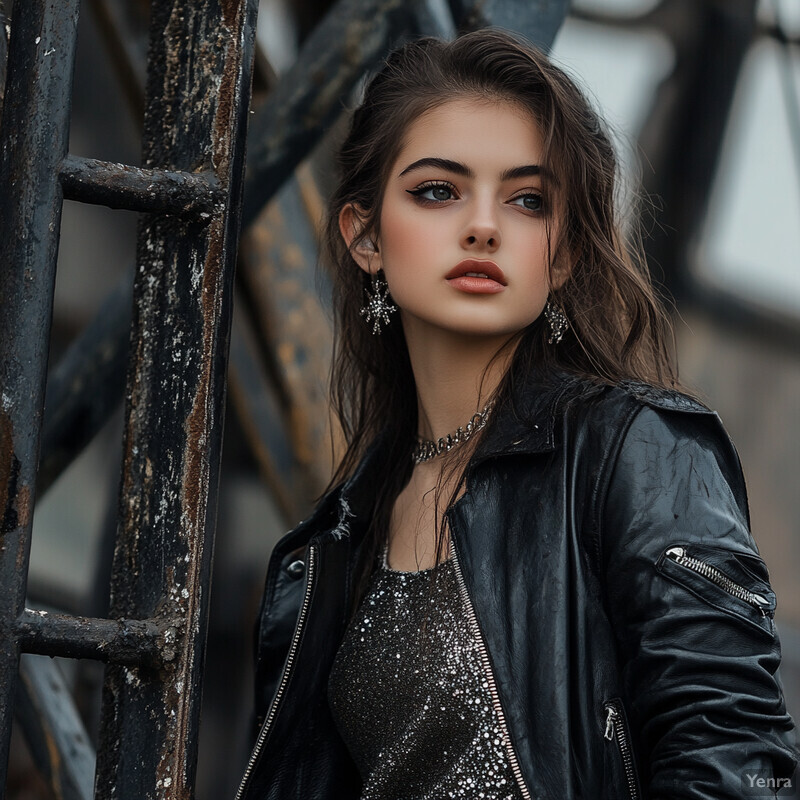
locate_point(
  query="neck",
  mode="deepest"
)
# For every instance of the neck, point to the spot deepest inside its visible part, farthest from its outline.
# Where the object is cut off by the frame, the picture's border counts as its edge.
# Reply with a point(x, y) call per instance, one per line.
point(449, 374)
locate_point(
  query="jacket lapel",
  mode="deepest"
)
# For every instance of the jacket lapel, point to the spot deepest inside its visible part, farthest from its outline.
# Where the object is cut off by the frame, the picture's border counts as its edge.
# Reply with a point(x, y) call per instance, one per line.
point(526, 423)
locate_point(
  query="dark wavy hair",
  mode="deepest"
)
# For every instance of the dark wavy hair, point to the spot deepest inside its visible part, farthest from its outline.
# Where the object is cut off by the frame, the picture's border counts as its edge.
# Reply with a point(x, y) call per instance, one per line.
point(618, 329)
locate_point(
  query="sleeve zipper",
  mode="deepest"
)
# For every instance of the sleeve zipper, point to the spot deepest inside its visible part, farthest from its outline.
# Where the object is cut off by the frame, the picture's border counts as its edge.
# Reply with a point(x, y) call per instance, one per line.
point(758, 601)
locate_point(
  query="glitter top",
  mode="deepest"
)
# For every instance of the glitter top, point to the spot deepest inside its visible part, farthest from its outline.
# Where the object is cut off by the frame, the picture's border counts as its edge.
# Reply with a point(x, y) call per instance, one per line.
point(411, 700)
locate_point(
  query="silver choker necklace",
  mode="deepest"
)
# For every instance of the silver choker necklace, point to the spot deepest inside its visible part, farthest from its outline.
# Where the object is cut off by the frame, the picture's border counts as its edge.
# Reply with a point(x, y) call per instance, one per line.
point(426, 449)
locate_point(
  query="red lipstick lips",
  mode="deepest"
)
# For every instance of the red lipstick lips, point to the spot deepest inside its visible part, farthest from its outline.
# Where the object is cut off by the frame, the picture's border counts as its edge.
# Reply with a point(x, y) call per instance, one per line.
point(476, 276)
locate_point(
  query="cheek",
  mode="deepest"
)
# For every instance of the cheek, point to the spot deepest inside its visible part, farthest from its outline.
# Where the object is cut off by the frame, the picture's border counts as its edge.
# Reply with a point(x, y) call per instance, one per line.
point(405, 239)
point(396, 231)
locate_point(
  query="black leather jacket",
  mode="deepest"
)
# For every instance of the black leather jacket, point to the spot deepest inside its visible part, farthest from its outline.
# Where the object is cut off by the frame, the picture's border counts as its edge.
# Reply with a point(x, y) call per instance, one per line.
point(626, 615)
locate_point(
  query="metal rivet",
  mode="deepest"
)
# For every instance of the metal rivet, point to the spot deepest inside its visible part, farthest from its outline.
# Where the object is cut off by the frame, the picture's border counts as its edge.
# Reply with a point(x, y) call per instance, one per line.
point(296, 569)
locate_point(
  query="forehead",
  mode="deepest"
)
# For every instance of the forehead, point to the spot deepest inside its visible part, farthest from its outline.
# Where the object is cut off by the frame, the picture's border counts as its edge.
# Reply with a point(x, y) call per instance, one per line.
point(482, 133)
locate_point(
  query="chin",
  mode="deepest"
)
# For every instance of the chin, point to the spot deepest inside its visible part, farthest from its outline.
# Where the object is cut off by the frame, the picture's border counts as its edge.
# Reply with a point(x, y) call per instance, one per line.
point(466, 323)
point(483, 330)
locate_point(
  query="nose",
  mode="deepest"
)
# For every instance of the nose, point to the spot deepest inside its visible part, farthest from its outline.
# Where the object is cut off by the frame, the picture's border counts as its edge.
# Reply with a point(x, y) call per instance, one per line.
point(481, 231)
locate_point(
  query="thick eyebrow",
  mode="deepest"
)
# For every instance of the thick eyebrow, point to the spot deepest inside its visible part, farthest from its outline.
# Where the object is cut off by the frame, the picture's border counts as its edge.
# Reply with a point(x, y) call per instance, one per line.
point(527, 171)
point(441, 163)
point(512, 173)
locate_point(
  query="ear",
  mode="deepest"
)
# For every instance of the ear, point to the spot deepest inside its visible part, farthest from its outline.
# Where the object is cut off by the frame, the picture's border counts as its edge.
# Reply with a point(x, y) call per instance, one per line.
point(560, 272)
point(365, 252)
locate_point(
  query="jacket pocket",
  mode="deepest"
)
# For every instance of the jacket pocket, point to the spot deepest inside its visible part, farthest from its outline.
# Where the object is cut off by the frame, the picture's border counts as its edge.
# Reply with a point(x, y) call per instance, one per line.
point(617, 734)
point(733, 581)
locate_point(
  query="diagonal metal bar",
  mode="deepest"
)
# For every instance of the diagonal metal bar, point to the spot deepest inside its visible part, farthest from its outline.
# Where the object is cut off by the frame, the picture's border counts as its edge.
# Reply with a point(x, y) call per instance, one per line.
point(278, 270)
point(199, 78)
point(353, 37)
point(53, 729)
point(33, 141)
point(86, 385)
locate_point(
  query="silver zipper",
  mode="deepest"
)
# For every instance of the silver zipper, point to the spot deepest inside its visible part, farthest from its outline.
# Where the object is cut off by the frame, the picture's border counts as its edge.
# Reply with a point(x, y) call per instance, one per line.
point(758, 601)
point(487, 667)
point(616, 729)
point(287, 669)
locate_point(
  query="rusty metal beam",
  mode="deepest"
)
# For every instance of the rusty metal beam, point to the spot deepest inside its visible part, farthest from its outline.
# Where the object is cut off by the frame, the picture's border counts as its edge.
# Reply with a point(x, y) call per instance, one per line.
point(122, 641)
point(33, 141)
point(199, 77)
point(279, 270)
point(135, 189)
point(3, 55)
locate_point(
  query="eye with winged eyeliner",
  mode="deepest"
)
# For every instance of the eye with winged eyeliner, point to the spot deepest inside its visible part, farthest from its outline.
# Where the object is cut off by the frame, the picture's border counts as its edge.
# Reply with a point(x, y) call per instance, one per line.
point(433, 186)
point(536, 204)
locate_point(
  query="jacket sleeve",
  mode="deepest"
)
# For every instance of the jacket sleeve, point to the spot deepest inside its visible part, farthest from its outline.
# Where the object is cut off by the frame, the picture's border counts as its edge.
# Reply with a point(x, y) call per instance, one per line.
point(689, 599)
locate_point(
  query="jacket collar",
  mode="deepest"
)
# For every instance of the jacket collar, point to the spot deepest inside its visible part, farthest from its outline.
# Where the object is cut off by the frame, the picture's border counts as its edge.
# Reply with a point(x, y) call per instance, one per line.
point(526, 424)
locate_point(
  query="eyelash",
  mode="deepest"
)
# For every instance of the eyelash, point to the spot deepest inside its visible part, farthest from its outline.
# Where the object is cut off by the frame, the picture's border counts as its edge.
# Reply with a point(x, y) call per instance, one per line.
point(426, 187)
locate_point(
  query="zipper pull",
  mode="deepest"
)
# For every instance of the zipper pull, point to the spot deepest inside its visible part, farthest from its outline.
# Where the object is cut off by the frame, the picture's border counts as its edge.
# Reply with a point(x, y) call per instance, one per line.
point(610, 720)
point(756, 600)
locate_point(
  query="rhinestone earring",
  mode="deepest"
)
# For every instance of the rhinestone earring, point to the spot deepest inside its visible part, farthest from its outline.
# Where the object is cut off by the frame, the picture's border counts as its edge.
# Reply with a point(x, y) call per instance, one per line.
point(379, 304)
point(557, 320)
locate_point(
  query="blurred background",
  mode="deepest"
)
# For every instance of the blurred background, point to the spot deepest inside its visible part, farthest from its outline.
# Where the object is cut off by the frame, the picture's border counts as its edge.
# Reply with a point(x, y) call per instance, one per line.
point(704, 101)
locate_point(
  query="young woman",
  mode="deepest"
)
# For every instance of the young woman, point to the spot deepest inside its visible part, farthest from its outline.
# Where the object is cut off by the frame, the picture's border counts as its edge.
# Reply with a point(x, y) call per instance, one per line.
point(532, 575)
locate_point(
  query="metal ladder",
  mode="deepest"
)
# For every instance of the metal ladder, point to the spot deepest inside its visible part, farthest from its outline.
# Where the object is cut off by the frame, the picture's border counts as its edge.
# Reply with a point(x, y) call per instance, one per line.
point(189, 190)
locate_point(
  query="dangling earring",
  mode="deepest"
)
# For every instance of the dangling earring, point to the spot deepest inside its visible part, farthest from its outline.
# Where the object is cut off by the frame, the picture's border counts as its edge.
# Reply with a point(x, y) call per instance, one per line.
point(379, 304)
point(558, 322)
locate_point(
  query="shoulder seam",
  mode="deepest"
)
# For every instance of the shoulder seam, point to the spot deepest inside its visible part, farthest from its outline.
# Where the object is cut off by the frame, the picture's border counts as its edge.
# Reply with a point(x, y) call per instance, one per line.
point(667, 399)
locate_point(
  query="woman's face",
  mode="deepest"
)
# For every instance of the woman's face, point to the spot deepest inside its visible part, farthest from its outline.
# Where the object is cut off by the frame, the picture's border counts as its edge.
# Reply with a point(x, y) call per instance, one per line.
point(464, 199)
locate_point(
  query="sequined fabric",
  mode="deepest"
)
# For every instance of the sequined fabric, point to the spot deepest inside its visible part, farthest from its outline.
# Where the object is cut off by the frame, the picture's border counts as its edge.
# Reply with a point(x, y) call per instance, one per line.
point(413, 705)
